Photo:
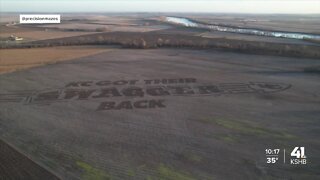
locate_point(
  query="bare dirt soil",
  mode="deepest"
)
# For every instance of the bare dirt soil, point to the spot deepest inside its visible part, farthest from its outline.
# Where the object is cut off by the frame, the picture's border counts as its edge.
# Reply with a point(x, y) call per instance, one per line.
point(139, 114)
point(17, 59)
point(18, 166)
point(41, 35)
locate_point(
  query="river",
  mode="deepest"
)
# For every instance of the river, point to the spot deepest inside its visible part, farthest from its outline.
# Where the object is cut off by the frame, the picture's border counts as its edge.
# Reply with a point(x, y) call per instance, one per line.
point(189, 23)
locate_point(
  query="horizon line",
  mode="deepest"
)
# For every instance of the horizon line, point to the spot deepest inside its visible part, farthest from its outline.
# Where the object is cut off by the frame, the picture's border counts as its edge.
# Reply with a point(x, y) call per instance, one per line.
point(160, 12)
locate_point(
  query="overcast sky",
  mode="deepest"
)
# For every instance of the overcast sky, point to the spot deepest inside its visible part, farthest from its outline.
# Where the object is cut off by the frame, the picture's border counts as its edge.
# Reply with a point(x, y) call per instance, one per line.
point(214, 6)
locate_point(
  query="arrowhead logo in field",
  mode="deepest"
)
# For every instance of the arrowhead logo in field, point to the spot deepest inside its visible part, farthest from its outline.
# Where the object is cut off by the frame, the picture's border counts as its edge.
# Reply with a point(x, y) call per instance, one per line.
point(148, 93)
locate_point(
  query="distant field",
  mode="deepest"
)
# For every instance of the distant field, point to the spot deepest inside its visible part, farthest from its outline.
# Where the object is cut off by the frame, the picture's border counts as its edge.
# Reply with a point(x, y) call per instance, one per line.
point(108, 27)
point(175, 40)
point(72, 25)
point(42, 35)
point(17, 59)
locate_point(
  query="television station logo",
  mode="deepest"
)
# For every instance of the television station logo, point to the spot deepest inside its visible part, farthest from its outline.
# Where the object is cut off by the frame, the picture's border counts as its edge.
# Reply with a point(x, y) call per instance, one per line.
point(297, 156)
